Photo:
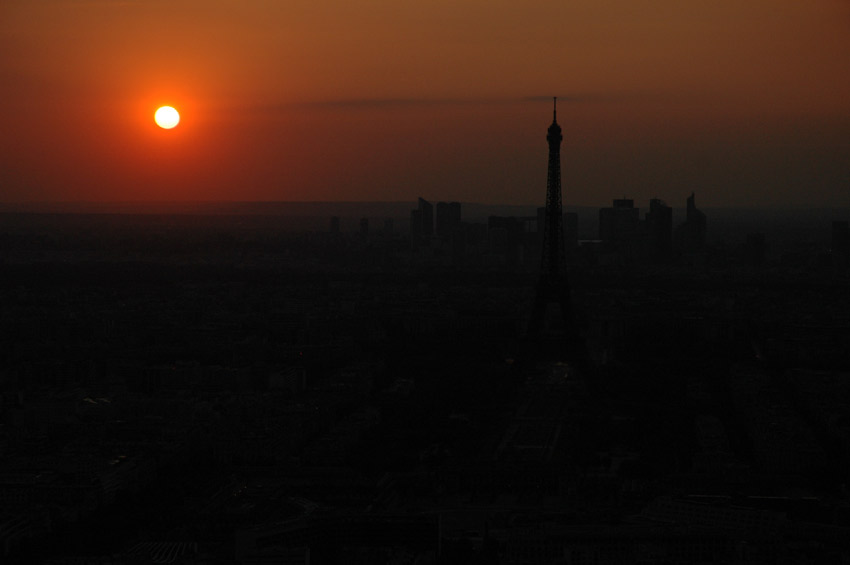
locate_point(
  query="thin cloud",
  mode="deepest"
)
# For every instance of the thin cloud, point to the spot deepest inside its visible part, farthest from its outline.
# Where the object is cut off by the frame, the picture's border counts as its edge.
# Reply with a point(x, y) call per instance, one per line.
point(392, 103)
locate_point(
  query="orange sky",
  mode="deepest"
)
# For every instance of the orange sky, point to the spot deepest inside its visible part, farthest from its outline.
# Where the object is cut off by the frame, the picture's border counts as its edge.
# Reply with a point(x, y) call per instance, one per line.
point(744, 102)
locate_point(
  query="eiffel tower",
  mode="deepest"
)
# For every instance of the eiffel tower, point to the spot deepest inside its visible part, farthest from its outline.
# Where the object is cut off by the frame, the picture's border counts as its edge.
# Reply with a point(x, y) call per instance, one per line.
point(553, 285)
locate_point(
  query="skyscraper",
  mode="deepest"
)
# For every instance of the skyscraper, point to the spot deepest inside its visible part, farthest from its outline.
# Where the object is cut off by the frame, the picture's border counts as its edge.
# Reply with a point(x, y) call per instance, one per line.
point(619, 223)
point(426, 210)
point(448, 218)
point(659, 227)
point(841, 243)
point(692, 233)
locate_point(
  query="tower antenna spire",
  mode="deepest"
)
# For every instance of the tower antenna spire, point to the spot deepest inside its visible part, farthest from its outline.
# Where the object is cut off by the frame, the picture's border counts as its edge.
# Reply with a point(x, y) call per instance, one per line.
point(554, 108)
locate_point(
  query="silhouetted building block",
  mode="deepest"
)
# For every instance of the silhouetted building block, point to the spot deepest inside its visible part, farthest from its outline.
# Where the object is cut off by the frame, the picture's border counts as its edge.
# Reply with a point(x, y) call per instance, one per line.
point(459, 239)
point(364, 227)
point(426, 210)
point(659, 227)
point(692, 234)
point(388, 226)
point(415, 226)
point(504, 230)
point(570, 229)
point(334, 224)
point(505, 235)
point(448, 218)
point(841, 242)
point(619, 223)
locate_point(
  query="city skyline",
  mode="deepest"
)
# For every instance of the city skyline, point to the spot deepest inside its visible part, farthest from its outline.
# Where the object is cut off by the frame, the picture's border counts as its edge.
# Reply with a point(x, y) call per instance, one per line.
point(745, 105)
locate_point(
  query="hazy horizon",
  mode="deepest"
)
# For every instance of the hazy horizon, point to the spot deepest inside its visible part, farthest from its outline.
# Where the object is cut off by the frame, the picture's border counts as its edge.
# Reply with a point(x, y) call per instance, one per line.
point(14, 206)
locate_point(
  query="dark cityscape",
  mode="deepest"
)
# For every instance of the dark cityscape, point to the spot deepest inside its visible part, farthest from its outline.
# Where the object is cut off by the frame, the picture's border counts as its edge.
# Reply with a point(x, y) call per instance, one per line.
point(431, 383)
point(424, 283)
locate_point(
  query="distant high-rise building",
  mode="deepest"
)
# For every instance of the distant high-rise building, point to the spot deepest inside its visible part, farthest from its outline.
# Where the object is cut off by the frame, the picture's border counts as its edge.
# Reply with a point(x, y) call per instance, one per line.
point(364, 226)
point(448, 218)
point(442, 216)
point(388, 226)
point(841, 242)
point(426, 209)
point(334, 224)
point(659, 227)
point(619, 223)
point(692, 234)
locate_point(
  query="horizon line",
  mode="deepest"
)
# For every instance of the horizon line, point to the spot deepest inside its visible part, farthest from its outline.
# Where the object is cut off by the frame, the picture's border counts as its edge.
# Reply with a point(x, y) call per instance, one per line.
point(142, 203)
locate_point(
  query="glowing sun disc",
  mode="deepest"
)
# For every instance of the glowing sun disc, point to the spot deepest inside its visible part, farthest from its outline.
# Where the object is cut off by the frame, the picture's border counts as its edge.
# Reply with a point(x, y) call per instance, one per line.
point(166, 117)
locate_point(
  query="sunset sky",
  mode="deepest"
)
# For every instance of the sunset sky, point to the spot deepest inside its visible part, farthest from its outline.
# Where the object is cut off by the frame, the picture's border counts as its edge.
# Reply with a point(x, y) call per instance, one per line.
point(745, 102)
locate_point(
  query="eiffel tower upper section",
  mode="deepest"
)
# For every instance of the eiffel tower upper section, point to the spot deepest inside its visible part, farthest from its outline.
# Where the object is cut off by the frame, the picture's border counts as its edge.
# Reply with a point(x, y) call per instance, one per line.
point(554, 262)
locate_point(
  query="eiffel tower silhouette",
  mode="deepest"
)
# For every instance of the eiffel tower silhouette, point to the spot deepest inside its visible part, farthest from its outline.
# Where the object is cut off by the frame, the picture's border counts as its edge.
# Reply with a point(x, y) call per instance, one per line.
point(553, 285)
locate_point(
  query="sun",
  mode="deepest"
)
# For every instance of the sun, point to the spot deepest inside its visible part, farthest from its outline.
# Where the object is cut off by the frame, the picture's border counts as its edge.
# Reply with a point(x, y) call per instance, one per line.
point(166, 117)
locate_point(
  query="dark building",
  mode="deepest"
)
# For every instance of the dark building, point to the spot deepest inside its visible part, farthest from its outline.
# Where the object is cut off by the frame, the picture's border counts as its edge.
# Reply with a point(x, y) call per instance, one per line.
point(504, 231)
point(659, 228)
point(388, 226)
point(448, 218)
point(506, 237)
point(334, 224)
point(692, 234)
point(841, 242)
point(415, 225)
point(426, 211)
point(619, 223)
point(571, 229)
point(364, 226)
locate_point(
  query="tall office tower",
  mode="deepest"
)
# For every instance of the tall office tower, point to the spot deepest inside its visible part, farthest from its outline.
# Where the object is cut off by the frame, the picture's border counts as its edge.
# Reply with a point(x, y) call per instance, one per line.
point(619, 223)
point(694, 228)
point(442, 218)
point(448, 218)
point(552, 285)
point(426, 210)
point(659, 227)
point(841, 242)
point(454, 215)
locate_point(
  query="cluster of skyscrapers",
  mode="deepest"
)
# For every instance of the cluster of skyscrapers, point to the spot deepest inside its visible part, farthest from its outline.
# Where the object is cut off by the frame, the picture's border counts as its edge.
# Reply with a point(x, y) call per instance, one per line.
point(422, 219)
point(621, 229)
